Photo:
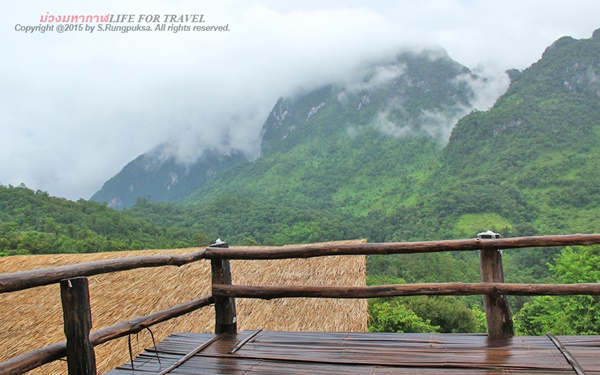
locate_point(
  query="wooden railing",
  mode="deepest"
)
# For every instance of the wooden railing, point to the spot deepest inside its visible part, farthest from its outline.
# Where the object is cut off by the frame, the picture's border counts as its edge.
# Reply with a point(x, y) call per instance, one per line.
point(79, 344)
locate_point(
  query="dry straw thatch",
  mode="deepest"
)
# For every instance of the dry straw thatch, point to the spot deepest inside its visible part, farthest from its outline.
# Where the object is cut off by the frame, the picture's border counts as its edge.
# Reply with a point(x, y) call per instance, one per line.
point(32, 318)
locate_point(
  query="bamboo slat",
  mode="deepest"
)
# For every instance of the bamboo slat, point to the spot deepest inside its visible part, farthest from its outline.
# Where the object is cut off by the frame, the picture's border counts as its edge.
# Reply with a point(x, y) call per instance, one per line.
point(270, 352)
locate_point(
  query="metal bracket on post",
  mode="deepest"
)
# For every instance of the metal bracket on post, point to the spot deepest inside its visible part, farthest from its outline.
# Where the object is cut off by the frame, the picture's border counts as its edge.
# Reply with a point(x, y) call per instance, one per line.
point(497, 311)
point(225, 314)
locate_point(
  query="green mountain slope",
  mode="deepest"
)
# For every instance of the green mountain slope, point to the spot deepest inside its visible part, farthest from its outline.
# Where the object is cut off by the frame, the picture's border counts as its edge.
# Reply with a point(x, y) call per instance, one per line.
point(539, 144)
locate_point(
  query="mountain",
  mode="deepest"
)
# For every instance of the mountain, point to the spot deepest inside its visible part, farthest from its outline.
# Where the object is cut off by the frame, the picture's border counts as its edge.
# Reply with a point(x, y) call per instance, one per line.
point(356, 146)
point(411, 100)
point(371, 155)
point(159, 178)
point(402, 153)
point(410, 94)
point(337, 156)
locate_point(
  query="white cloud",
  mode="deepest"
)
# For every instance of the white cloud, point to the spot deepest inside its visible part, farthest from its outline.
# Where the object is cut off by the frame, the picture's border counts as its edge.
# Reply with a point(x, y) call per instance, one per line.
point(367, 81)
point(439, 124)
point(386, 126)
point(76, 107)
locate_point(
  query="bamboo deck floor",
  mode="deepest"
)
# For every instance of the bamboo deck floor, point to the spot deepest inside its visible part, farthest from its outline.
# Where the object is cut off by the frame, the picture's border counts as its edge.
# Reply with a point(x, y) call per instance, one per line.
point(270, 352)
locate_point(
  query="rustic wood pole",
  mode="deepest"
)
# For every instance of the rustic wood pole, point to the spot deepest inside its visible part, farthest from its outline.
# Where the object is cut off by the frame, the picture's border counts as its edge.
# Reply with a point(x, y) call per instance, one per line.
point(77, 315)
point(225, 316)
point(497, 311)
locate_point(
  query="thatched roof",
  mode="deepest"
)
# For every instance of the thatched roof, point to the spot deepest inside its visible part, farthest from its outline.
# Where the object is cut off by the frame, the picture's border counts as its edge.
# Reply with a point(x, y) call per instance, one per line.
point(32, 318)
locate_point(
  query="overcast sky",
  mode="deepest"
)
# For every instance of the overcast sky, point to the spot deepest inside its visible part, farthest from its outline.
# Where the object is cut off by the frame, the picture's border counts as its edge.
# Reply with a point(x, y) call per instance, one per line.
point(77, 106)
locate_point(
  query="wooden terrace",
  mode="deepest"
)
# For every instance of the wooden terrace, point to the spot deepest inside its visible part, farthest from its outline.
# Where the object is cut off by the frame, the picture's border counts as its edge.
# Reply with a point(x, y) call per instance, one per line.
point(228, 351)
point(268, 352)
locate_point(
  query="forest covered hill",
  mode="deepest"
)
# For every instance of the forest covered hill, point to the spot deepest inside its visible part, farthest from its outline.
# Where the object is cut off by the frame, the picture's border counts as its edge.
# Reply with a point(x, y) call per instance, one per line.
point(33, 222)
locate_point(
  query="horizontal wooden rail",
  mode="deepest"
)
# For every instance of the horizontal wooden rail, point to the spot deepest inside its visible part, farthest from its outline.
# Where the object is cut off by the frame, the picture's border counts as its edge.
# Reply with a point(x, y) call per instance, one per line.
point(29, 361)
point(285, 252)
point(138, 324)
point(28, 279)
point(455, 289)
point(36, 358)
point(10, 282)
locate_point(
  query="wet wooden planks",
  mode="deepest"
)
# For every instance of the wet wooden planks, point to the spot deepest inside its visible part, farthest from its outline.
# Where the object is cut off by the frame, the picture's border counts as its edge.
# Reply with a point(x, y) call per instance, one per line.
point(271, 352)
point(586, 350)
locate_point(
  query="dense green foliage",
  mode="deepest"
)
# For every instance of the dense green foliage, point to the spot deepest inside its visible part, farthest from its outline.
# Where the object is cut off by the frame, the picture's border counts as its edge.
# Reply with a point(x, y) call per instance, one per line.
point(394, 316)
point(245, 221)
point(36, 223)
point(539, 142)
point(445, 314)
point(566, 315)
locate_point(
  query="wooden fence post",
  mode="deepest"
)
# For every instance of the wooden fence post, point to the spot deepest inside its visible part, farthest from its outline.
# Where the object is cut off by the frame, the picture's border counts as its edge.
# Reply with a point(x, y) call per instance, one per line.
point(225, 315)
point(497, 311)
point(77, 315)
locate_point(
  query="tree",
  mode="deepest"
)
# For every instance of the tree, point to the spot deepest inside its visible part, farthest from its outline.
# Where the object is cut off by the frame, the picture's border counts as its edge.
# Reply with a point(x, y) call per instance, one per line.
point(572, 315)
point(201, 238)
point(449, 313)
point(390, 315)
point(249, 241)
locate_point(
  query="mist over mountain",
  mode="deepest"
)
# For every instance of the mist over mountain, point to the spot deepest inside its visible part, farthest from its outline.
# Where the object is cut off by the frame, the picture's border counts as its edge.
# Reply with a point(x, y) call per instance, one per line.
point(159, 177)
point(372, 157)
point(414, 149)
point(415, 95)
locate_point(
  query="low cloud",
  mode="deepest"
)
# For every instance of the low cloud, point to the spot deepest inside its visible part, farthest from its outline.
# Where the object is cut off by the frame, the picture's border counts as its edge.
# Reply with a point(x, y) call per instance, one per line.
point(439, 124)
point(488, 82)
point(436, 123)
point(378, 76)
point(385, 125)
